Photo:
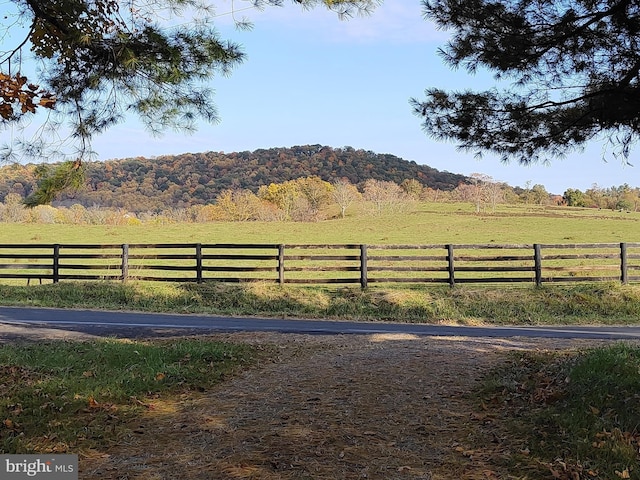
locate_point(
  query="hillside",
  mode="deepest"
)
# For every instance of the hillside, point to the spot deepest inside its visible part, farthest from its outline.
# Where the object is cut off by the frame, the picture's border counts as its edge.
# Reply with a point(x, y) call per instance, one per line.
point(141, 184)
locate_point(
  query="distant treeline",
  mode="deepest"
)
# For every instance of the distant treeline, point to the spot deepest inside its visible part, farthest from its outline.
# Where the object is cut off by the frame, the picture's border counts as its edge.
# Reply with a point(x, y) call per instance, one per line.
point(182, 181)
point(313, 199)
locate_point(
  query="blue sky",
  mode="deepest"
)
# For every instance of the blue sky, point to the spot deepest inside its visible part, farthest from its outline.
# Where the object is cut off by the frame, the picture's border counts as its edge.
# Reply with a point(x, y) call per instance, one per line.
point(310, 78)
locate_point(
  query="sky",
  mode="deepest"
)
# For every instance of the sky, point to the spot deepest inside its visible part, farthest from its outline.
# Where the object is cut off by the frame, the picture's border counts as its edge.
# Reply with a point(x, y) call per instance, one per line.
point(310, 78)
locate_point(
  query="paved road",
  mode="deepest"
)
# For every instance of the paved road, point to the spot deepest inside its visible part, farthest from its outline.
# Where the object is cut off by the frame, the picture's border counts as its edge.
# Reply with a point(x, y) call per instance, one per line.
point(132, 324)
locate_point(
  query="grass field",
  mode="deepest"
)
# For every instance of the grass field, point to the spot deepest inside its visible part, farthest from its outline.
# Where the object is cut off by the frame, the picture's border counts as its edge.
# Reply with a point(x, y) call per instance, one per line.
point(424, 224)
point(419, 224)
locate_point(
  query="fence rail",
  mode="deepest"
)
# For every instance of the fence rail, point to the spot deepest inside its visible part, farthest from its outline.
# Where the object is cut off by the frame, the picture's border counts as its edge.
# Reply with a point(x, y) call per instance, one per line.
point(324, 264)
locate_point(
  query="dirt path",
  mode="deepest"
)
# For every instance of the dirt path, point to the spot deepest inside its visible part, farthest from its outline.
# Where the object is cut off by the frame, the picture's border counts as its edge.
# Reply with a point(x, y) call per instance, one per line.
point(353, 407)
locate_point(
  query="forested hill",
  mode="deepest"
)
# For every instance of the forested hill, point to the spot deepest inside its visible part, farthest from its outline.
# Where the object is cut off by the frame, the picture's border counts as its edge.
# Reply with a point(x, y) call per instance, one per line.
point(140, 184)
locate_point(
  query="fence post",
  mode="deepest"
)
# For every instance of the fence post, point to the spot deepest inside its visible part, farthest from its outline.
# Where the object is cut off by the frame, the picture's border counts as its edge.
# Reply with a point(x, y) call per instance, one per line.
point(125, 262)
point(199, 262)
point(537, 260)
point(452, 276)
point(56, 263)
point(364, 279)
point(624, 271)
point(281, 264)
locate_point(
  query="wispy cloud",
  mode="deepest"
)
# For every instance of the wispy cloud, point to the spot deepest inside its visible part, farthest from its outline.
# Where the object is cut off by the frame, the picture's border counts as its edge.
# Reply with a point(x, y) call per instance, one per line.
point(395, 21)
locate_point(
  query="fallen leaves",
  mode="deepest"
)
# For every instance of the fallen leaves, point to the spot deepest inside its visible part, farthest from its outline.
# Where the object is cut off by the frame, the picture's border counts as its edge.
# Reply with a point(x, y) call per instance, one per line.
point(138, 402)
point(624, 473)
point(566, 470)
point(464, 451)
point(12, 426)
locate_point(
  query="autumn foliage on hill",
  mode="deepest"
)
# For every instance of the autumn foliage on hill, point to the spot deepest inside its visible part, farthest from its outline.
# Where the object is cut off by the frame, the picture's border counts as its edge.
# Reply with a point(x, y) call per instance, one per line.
point(180, 181)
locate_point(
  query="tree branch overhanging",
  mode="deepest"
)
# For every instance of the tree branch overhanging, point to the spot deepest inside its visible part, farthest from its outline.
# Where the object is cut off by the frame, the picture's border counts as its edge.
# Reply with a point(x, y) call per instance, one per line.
point(101, 60)
point(549, 48)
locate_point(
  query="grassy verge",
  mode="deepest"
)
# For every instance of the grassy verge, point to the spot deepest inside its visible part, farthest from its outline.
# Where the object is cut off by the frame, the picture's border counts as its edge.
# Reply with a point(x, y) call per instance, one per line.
point(580, 304)
point(569, 416)
point(71, 396)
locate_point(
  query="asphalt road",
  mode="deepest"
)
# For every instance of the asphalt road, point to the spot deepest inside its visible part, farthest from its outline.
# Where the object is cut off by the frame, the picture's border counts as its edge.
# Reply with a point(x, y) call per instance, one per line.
point(135, 324)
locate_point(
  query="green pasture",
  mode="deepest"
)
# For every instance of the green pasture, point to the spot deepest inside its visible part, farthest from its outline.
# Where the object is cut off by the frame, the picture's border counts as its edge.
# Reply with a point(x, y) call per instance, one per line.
point(417, 224)
point(427, 223)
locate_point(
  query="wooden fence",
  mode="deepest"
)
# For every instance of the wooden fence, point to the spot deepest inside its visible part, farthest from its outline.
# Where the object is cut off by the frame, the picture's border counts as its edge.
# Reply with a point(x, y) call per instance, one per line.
point(324, 264)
